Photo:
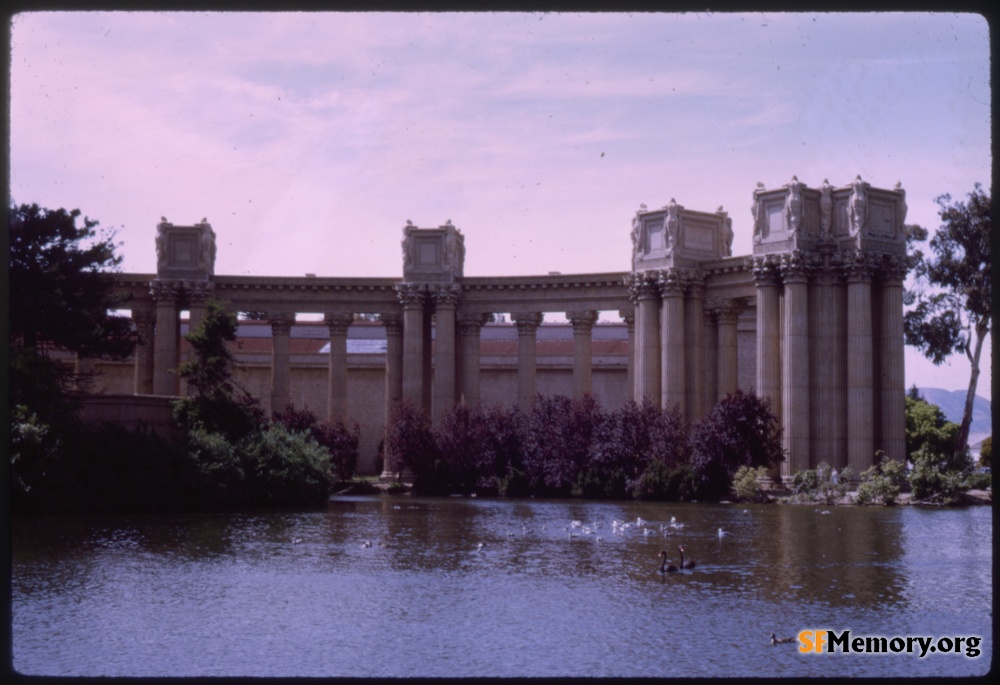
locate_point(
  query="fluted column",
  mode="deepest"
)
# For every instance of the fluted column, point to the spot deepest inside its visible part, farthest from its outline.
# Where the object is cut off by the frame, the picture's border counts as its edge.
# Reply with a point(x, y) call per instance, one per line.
point(165, 346)
point(826, 333)
point(338, 324)
point(628, 316)
point(860, 388)
point(412, 296)
point(710, 372)
point(583, 324)
point(197, 293)
point(527, 324)
point(694, 349)
point(393, 323)
point(768, 332)
point(727, 315)
point(281, 329)
point(471, 326)
point(795, 364)
point(145, 322)
point(672, 361)
point(892, 381)
point(644, 292)
point(445, 300)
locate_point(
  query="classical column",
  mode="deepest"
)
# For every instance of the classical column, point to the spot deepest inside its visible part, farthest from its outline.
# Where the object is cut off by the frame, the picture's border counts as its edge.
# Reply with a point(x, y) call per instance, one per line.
point(727, 314)
point(393, 359)
point(281, 329)
point(892, 381)
point(628, 316)
point(795, 364)
point(197, 293)
point(644, 292)
point(527, 324)
point(768, 332)
point(145, 321)
point(445, 300)
point(672, 359)
point(583, 324)
point(165, 294)
point(471, 326)
point(412, 296)
point(826, 335)
point(860, 389)
point(338, 324)
point(694, 353)
point(710, 342)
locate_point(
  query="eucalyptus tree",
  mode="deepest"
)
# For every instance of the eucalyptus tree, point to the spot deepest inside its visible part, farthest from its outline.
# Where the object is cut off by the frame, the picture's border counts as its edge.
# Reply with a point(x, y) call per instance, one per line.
point(951, 298)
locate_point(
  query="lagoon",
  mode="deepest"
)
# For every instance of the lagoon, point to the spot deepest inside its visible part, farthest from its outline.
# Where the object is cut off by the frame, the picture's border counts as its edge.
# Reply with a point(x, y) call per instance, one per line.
point(397, 586)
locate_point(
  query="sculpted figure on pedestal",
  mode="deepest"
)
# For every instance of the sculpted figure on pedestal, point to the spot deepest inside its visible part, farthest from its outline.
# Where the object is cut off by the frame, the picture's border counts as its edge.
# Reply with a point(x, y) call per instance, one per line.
point(858, 206)
point(793, 205)
point(825, 208)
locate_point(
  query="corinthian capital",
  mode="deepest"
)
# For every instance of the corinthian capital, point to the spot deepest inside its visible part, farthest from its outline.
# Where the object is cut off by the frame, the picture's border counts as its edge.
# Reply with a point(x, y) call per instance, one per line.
point(447, 295)
point(411, 295)
point(338, 322)
point(527, 322)
point(582, 321)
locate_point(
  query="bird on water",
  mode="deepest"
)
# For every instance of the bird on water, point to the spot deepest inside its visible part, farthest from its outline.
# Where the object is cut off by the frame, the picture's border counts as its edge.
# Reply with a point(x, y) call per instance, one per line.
point(775, 640)
point(665, 565)
point(690, 563)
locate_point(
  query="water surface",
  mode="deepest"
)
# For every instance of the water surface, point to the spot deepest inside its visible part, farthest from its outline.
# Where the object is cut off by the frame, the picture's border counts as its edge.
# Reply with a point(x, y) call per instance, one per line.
point(397, 586)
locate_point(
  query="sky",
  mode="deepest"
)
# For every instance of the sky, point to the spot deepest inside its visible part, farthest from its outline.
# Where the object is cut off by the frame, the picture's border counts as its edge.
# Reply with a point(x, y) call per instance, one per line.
point(308, 140)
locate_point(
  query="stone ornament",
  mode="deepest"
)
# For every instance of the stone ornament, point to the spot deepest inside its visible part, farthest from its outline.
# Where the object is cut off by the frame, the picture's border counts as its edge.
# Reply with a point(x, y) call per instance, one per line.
point(793, 205)
point(858, 207)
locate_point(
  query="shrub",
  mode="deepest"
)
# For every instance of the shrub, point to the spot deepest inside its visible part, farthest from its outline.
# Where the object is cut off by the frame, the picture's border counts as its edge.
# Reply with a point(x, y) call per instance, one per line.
point(822, 484)
point(284, 467)
point(741, 430)
point(938, 477)
point(340, 438)
point(661, 481)
point(881, 483)
point(558, 436)
point(746, 484)
point(410, 445)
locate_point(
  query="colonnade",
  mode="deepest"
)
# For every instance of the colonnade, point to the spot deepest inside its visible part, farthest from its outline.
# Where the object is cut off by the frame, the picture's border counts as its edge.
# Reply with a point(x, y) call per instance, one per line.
point(685, 345)
point(830, 355)
point(432, 348)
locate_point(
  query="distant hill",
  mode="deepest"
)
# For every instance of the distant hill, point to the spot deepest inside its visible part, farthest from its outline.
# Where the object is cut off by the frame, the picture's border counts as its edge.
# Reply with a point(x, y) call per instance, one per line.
point(952, 403)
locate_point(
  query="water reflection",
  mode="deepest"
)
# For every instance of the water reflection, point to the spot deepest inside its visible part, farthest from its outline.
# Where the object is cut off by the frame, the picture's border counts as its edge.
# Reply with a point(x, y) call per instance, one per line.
point(558, 588)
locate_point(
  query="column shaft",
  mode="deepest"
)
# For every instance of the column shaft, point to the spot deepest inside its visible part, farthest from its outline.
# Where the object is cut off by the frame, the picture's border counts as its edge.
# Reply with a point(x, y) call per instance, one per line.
point(727, 315)
point(710, 373)
point(893, 381)
point(672, 362)
point(165, 346)
point(768, 334)
point(694, 383)
point(145, 321)
point(860, 390)
point(281, 328)
point(471, 328)
point(445, 300)
point(527, 324)
point(647, 348)
point(412, 298)
point(338, 324)
point(795, 371)
point(583, 324)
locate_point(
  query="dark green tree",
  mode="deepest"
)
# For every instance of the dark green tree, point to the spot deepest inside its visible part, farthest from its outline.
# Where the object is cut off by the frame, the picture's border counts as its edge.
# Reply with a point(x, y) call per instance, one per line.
point(218, 404)
point(62, 293)
point(952, 295)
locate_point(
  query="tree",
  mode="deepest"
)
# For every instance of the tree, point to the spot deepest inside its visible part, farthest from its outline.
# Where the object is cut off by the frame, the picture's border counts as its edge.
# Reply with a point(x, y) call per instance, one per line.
point(740, 431)
point(218, 405)
point(62, 290)
point(952, 293)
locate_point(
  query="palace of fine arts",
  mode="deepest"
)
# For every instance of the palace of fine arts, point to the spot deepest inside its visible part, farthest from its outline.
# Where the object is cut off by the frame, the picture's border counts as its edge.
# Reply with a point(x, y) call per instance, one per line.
point(812, 319)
